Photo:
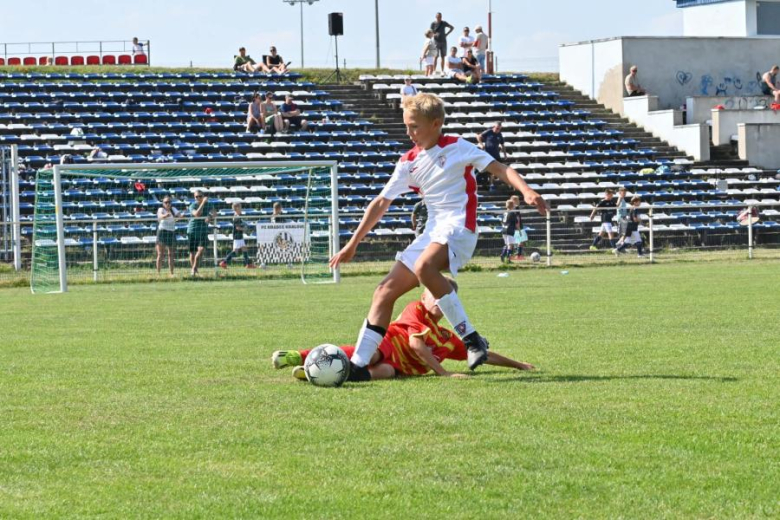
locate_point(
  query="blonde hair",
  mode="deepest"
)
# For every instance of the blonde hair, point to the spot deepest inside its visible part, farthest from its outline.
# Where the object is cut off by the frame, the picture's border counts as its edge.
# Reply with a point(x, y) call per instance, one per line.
point(236, 205)
point(510, 204)
point(429, 33)
point(426, 105)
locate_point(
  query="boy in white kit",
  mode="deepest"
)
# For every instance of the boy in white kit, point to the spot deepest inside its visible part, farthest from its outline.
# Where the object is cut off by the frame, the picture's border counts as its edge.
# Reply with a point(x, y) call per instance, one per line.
point(441, 169)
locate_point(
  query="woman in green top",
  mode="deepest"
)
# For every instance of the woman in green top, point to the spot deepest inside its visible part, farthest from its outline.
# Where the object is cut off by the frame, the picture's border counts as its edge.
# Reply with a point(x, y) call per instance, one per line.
point(271, 117)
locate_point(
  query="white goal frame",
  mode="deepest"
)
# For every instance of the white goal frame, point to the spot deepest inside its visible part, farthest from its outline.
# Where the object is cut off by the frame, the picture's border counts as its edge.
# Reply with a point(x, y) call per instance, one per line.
point(60, 220)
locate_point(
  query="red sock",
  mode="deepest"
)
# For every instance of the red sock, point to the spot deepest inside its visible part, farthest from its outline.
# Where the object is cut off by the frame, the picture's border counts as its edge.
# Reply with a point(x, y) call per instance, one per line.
point(348, 350)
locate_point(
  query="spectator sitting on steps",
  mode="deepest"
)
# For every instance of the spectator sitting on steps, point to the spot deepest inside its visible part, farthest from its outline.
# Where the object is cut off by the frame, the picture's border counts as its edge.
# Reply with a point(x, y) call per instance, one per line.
point(455, 66)
point(633, 88)
point(769, 84)
point(274, 62)
point(471, 67)
point(244, 63)
point(292, 115)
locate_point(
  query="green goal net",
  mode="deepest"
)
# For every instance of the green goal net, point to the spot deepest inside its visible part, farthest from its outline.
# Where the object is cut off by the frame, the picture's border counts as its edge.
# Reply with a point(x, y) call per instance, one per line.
point(141, 222)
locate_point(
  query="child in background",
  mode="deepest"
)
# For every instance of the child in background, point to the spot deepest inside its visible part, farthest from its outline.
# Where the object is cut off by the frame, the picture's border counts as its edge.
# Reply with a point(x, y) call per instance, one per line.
point(510, 223)
point(239, 244)
point(631, 234)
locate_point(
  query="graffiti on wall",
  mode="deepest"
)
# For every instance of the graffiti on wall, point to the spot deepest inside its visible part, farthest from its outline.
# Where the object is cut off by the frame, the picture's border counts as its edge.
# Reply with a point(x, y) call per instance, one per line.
point(745, 102)
point(723, 85)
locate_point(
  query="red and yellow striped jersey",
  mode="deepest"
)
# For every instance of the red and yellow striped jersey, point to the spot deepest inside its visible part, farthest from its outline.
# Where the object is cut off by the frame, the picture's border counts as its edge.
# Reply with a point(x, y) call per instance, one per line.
point(416, 321)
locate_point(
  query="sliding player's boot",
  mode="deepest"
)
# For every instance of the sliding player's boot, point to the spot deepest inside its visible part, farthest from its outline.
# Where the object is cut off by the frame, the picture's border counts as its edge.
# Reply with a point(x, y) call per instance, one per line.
point(358, 374)
point(286, 358)
point(299, 373)
point(477, 348)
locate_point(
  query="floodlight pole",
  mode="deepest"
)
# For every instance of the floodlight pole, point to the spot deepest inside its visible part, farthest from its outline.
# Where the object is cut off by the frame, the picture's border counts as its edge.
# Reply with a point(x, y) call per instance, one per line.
point(376, 17)
point(301, 2)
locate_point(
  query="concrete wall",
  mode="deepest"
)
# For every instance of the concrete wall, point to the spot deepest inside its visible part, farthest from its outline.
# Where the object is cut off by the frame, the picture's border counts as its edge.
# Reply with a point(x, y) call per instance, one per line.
point(671, 68)
point(724, 123)
point(758, 144)
point(726, 19)
point(667, 125)
point(596, 69)
point(699, 108)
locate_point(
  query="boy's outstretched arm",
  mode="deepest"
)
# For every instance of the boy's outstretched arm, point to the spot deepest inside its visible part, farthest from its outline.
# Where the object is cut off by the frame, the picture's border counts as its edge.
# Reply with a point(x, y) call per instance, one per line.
point(508, 175)
point(422, 350)
point(375, 210)
point(501, 361)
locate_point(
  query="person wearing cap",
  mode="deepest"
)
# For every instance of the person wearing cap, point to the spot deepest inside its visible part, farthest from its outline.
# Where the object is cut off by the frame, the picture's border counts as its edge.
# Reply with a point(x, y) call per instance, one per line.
point(480, 47)
point(633, 88)
point(274, 62)
point(408, 89)
point(466, 42)
point(441, 30)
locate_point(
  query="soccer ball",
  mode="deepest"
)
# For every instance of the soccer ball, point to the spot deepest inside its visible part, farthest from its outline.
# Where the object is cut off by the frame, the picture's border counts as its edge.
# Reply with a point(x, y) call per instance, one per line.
point(535, 256)
point(326, 365)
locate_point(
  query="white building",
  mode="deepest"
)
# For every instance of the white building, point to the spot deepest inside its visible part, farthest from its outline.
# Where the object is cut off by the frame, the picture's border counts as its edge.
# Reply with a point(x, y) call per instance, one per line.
point(740, 18)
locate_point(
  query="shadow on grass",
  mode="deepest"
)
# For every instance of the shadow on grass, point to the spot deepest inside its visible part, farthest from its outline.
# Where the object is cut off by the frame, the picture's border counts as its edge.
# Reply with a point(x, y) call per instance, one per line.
point(581, 378)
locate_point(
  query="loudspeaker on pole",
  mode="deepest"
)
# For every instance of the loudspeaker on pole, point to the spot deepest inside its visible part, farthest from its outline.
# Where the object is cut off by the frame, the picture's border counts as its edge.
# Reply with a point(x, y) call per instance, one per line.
point(336, 24)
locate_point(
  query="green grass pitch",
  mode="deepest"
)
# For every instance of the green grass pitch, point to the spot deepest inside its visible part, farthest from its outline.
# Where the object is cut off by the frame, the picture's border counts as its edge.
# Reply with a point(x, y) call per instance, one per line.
point(658, 396)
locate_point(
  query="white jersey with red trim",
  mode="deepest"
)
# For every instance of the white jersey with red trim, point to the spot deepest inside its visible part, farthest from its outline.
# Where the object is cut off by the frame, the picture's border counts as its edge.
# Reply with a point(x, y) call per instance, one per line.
point(444, 177)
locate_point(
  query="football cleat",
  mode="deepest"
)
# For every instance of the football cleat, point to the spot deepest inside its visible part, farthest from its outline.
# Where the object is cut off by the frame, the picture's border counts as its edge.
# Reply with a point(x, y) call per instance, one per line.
point(477, 348)
point(299, 373)
point(286, 358)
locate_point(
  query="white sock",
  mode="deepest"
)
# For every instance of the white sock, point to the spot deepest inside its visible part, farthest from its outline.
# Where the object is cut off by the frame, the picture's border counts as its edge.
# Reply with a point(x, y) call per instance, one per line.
point(367, 343)
point(453, 310)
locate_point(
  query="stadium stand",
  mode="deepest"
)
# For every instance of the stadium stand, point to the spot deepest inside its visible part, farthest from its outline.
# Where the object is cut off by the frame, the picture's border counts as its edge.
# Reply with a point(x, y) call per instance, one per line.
point(568, 148)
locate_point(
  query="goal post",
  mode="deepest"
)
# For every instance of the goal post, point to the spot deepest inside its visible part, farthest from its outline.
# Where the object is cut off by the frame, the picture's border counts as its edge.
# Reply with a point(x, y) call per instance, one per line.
point(99, 222)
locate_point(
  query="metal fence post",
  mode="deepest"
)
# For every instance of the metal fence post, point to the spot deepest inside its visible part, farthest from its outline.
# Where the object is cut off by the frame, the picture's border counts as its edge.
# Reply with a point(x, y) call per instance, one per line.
point(95, 266)
point(750, 232)
point(548, 221)
point(652, 238)
point(216, 247)
point(15, 209)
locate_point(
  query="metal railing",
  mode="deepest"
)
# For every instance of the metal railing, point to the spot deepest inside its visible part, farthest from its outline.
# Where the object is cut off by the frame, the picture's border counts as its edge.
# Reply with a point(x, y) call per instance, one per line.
point(71, 48)
point(561, 239)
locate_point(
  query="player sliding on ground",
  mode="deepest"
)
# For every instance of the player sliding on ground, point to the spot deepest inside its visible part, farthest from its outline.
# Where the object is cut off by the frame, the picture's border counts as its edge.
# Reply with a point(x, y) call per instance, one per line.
point(414, 345)
point(441, 169)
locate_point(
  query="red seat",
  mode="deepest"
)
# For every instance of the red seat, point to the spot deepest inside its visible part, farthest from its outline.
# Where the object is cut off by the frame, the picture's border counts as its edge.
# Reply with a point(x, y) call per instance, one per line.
point(125, 59)
point(93, 60)
point(14, 61)
point(140, 59)
point(61, 60)
point(2, 61)
point(30, 60)
point(109, 59)
point(43, 60)
point(77, 60)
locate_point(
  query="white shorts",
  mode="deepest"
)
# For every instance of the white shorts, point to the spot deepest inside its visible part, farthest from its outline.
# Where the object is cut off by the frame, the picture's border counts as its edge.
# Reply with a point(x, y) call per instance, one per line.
point(451, 72)
point(460, 245)
point(509, 240)
point(633, 239)
point(238, 244)
point(607, 228)
point(428, 60)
